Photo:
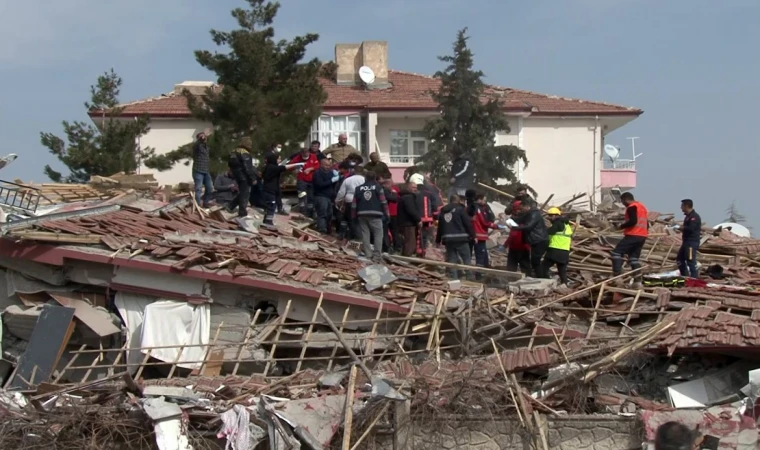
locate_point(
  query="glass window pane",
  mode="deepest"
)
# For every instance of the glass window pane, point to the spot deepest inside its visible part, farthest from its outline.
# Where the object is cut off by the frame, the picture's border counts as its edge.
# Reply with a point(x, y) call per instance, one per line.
point(419, 134)
point(354, 123)
point(339, 123)
point(399, 146)
point(353, 139)
point(324, 123)
point(315, 125)
point(419, 147)
point(399, 133)
point(327, 140)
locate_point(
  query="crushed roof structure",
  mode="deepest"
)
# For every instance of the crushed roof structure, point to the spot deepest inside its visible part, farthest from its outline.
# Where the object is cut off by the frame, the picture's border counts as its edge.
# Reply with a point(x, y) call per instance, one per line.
point(294, 319)
point(408, 91)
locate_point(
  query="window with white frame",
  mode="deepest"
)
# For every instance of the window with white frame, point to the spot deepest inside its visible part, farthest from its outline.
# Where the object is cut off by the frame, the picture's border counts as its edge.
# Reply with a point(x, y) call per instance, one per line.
point(326, 130)
point(407, 146)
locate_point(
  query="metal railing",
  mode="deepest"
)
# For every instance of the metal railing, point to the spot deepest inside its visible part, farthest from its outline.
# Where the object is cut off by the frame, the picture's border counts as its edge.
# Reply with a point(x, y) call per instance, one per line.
point(19, 197)
point(619, 164)
point(403, 159)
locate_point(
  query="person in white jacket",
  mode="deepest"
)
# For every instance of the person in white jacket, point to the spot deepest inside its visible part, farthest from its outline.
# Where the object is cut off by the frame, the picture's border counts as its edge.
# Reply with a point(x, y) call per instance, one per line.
point(345, 197)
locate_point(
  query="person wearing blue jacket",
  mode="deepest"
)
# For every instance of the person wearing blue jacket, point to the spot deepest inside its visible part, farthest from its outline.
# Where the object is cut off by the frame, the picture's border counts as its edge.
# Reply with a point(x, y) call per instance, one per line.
point(324, 182)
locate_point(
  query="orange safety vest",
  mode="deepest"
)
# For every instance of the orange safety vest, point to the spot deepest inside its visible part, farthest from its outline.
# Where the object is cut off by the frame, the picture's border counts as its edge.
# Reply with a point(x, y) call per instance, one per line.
point(642, 221)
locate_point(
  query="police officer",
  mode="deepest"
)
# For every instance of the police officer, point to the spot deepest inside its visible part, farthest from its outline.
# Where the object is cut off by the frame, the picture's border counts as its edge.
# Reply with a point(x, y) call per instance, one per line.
point(690, 237)
point(455, 231)
point(560, 240)
point(370, 207)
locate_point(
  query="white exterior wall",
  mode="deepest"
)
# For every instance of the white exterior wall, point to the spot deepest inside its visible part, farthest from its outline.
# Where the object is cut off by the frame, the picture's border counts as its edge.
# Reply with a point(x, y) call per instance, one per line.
point(383, 134)
point(166, 135)
point(561, 158)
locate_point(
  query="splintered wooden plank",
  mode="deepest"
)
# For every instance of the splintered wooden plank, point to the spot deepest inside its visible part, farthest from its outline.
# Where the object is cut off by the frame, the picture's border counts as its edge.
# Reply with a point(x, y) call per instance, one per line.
point(50, 336)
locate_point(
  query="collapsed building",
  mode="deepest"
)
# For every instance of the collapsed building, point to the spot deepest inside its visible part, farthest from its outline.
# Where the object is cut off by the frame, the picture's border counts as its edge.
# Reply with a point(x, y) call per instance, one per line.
point(136, 319)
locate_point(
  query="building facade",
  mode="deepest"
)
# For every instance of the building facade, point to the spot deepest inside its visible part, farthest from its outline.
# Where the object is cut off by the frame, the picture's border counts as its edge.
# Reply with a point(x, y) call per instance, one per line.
point(563, 137)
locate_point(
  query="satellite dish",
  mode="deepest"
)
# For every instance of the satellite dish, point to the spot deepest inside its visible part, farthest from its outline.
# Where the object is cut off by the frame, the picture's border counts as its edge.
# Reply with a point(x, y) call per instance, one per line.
point(612, 151)
point(366, 74)
point(735, 228)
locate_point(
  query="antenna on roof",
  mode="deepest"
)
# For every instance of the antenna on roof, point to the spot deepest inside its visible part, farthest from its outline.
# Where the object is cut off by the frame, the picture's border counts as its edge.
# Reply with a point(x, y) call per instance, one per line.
point(367, 75)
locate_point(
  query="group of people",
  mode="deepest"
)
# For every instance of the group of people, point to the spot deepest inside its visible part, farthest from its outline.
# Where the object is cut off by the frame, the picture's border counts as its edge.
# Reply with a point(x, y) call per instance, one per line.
point(362, 202)
point(534, 248)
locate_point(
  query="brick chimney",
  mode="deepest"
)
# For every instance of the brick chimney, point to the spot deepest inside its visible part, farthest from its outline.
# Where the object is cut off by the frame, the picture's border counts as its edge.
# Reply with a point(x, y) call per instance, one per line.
point(194, 87)
point(350, 57)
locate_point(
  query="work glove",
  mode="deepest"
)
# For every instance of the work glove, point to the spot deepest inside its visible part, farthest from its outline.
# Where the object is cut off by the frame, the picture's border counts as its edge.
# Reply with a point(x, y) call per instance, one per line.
point(335, 178)
point(501, 227)
point(336, 173)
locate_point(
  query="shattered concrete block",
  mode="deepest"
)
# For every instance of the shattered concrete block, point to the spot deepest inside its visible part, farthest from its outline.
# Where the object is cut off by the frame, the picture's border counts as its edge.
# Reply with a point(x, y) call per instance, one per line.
point(533, 286)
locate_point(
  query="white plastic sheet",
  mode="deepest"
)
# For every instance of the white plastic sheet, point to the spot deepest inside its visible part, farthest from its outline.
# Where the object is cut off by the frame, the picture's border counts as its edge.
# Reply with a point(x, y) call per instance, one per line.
point(153, 322)
point(170, 323)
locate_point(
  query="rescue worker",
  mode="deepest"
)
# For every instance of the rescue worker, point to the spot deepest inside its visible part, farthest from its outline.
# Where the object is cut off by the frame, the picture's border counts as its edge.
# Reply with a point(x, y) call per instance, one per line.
point(370, 208)
point(305, 180)
point(354, 177)
point(518, 251)
point(325, 180)
point(482, 224)
point(390, 233)
point(377, 166)
point(455, 231)
point(560, 241)
point(408, 218)
point(427, 206)
point(635, 233)
point(462, 175)
point(691, 233)
point(271, 176)
point(276, 149)
point(534, 232)
point(241, 166)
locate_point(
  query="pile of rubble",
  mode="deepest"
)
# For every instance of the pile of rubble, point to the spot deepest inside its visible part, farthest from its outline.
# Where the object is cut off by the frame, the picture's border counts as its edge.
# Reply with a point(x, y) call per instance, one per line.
point(133, 319)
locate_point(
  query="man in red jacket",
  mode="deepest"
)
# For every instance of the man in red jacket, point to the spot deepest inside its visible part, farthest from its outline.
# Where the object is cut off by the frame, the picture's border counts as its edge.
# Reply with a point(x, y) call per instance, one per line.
point(519, 250)
point(304, 183)
point(391, 241)
point(482, 226)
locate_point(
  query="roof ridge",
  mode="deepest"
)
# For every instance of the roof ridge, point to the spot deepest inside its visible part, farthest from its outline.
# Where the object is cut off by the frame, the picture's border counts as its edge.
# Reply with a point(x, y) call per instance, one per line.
point(523, 91)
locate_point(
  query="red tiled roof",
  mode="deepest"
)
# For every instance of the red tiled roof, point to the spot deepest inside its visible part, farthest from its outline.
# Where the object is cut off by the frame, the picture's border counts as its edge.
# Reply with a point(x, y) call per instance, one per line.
point(409, 91)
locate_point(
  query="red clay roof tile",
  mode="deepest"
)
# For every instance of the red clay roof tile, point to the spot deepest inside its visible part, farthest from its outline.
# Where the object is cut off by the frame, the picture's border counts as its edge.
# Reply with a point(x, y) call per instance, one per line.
point(409, 91)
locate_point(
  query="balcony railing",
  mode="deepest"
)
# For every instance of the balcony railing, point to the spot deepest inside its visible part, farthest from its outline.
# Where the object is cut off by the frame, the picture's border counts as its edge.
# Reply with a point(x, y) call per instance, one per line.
point(18, 197)
point(403, 159)
point(620, 164)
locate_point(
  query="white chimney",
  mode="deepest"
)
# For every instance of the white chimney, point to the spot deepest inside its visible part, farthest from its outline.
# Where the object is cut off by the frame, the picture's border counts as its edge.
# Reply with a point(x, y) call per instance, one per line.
point(194, 87)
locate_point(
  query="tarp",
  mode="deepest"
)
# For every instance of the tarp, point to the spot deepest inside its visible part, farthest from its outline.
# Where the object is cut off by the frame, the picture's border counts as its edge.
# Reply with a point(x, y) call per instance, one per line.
point(171, 323)
point(153, 322)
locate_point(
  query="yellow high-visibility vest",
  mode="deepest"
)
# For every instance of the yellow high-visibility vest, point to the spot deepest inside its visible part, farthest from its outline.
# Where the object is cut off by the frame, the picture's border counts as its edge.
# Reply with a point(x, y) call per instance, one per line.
point(563, 240)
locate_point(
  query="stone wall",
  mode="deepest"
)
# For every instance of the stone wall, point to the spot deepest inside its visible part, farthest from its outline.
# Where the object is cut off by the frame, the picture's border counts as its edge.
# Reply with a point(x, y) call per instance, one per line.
point(597, 432)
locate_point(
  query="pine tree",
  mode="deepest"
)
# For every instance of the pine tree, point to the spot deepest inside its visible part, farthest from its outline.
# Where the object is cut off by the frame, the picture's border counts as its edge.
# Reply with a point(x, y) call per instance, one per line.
point(467, 124)
point(109, 148)
point(267, 92)
point(733, 214)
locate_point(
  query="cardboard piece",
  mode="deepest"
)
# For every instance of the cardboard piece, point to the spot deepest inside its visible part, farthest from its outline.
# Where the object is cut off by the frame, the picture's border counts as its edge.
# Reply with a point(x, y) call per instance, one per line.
point(95, 320)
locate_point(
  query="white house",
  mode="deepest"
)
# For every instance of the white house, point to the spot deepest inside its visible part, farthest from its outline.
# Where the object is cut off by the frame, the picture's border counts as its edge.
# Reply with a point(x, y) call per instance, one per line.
point(563, 137)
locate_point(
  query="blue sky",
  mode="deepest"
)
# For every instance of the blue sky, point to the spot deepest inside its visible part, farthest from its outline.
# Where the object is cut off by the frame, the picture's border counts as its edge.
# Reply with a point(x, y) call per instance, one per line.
point(690, 64)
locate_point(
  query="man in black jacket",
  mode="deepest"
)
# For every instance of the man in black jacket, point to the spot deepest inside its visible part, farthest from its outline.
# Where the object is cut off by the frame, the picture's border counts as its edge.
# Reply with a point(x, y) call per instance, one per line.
point(455, 231)
point(409, 218)
point(690, 239)
point(371, 208)
point(241, 166)
point(201, 170)
point(534, 233)
point(325, 179)
point(462, 176)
